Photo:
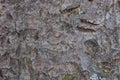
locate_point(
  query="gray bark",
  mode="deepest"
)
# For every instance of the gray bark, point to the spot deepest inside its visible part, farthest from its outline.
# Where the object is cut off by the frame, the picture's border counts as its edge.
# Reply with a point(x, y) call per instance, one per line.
point(59, 39)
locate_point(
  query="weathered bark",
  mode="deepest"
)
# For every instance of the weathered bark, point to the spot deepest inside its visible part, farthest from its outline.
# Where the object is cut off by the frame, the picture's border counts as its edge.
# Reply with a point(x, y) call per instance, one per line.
point(59, 39)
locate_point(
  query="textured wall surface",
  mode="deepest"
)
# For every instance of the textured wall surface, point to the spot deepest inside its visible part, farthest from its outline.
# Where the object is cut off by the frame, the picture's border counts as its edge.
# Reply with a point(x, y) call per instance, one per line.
point(59, 39)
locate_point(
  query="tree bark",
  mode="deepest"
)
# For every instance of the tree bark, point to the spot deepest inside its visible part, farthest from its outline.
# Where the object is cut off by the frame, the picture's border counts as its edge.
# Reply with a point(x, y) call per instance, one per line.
point(59, 39)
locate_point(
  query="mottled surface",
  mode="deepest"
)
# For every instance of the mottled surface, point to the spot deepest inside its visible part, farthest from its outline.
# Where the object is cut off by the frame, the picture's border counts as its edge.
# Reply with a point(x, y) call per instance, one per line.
point(59, 40)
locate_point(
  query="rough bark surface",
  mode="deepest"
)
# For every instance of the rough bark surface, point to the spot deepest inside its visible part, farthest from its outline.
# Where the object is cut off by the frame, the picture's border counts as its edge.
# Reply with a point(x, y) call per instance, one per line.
point(59, 39)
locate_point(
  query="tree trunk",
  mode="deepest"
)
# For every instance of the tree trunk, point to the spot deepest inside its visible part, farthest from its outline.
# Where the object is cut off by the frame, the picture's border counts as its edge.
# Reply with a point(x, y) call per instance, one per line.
point(59, 39)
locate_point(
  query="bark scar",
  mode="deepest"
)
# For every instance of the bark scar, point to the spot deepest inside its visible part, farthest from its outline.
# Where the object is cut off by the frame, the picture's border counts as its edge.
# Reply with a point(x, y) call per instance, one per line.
point(88, 22)
point(81, 29)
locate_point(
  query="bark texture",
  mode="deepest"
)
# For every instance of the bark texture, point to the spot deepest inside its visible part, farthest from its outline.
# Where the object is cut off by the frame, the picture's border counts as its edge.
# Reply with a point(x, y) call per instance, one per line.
point(59, 39)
